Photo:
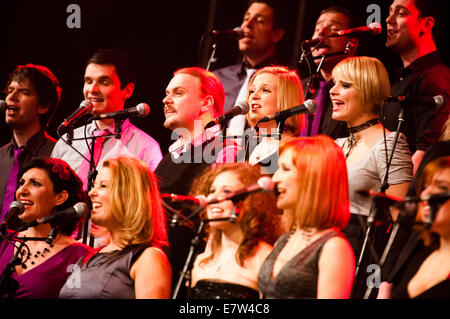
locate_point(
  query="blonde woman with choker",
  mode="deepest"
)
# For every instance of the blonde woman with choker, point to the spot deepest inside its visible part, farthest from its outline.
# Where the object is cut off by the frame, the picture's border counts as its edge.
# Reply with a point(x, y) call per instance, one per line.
point(361, 84)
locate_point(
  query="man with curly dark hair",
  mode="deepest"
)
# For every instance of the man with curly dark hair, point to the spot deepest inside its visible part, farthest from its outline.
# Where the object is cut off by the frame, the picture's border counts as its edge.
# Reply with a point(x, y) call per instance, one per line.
point(32, 95)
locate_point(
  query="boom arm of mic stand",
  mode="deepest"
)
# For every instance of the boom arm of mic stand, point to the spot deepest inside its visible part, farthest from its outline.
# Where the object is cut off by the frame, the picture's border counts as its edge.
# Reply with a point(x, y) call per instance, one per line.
point(176, 214)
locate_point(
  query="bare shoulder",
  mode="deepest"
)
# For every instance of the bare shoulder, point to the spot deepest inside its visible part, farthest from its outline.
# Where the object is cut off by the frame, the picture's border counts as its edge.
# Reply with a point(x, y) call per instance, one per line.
point(337, 247)
point(151, 258)
point(152, 254)
point(262, 250)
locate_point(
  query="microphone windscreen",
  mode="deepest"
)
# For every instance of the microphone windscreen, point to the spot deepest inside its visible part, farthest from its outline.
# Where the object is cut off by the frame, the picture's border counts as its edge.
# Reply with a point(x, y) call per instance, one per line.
point(239, 32)
point(243, 105)
point(88, 105)
point(17, 205)
point(143, 109)
point(202, 200)
point(266, 184)
point(439, 101)
point(310, 105)
point(81, 209)
point(2, 105)
point(376, 27)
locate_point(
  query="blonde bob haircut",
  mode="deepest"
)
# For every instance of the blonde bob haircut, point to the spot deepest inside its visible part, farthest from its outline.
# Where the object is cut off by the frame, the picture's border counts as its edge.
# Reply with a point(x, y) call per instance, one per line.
point(290, 94)
point(369, 76)
point(136, 202)
point(323, 199)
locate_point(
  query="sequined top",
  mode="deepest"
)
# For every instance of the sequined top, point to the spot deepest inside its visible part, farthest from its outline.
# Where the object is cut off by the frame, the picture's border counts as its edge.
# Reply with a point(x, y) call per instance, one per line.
point(208, 289)
point(298, 277)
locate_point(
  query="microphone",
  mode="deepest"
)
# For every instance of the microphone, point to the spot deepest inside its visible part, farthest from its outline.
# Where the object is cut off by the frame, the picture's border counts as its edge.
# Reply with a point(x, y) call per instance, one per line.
point(85, 107)
point(309, 106)
point(141, 110)
point(15, 209)
point(436, 198)
point(435, 201)
point(407, 206)
point(314, 41)
point(264, 184)
point(373, 28)
point(235, 33)
point(3, 105)
point(390, 200)
point(393, 200)
point(79, 210)
point(241, 107)
point(436, 101)
point(199, 200)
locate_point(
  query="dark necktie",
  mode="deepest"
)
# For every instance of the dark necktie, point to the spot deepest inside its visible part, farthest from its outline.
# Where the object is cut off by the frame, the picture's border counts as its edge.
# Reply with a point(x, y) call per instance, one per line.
point(320, 99)
point(11, 186)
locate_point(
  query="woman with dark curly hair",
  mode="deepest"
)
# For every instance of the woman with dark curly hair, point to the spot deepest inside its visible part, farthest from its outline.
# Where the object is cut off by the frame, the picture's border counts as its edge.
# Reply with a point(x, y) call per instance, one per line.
point(234, 251)
point(46, 186)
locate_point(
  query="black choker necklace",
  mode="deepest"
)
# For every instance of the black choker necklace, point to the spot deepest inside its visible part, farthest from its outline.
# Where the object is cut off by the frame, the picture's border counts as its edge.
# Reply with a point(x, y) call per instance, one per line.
point(359, 128)
point(353, 139)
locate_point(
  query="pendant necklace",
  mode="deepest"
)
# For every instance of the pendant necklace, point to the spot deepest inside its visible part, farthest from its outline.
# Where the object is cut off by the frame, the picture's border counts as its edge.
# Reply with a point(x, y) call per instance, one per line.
point(352, 140)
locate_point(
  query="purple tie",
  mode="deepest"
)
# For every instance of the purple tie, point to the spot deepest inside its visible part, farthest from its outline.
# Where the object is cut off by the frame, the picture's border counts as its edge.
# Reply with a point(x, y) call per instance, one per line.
point(11, 186)
point(320, 100)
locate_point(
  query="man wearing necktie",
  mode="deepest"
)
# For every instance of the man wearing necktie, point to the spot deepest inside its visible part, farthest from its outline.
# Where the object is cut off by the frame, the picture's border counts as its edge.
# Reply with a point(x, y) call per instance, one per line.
point(32, 95)
point(109, 80)
point(317, 85)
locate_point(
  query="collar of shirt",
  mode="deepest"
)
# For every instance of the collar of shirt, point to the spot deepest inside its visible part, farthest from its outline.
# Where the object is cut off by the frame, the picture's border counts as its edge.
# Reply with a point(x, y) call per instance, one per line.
point(33, 144)
point(93, 127)
point(420, 64)
point(177, 148)
point(273, 60)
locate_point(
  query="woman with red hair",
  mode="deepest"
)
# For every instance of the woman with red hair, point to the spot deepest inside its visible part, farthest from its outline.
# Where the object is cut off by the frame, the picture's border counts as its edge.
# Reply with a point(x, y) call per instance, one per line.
point(313, 260)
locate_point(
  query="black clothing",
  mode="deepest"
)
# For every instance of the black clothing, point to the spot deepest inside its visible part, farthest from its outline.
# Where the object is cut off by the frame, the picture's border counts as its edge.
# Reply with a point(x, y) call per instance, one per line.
point(425, 77)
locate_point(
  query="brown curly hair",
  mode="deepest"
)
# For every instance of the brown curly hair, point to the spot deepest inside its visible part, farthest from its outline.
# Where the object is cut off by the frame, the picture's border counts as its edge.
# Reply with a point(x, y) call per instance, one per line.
point(261, 219)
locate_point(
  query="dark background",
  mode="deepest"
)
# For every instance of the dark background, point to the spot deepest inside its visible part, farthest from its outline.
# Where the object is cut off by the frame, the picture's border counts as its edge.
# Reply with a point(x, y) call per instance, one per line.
point(162, 36)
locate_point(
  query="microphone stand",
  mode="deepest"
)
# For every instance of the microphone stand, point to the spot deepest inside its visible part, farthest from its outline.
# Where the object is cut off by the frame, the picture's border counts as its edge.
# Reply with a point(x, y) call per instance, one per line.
point(92, 174)
point(193, 252)
point(194, 248)
point(373, 212)
point(212, 58)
